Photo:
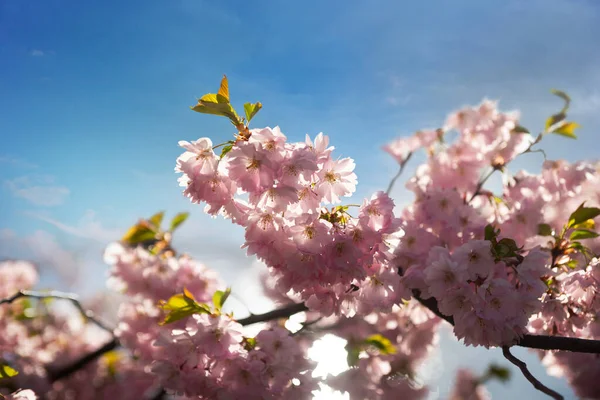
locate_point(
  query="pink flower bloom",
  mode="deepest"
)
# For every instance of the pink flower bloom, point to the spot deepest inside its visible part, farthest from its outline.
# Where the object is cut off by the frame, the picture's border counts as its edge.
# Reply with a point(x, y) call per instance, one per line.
point(443, 274)
point(22, 395)
point(476, 257)
point(336, 179)
point(250, 167)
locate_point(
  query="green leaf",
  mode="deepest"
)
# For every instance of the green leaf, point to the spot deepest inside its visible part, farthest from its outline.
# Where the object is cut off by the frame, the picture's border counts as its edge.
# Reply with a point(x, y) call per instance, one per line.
point(224, 89)
point(181, 306)
point(111, 360)
point(216, 108)
point(353, 354)
point(555, 119)
point(220, 297)
point(567, 129)
point(520, 129)
point(382, 344)
point(579, 234)
point(498, 372)
point(545, 230)
point(563, 96)
point(249, 343)
point(157, 218)
point(251, 109)
point(506, 248)
point(490, 232)
point(226, 149)
point(582, 214)
point(141, 232)
point(6, 371)
point(218, 104)
point(178, 220)
point(589, 224)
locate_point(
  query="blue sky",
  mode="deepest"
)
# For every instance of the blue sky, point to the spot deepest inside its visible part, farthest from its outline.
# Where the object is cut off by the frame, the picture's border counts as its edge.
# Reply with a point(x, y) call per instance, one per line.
point(95, 96)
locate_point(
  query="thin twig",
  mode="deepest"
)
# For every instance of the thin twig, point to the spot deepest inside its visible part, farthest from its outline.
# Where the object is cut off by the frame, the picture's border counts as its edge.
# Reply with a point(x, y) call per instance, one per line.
point(480, 184)
point(523, 367)
point(402, 165)
point(54, 294)
point(88, 315)
point(283, 312)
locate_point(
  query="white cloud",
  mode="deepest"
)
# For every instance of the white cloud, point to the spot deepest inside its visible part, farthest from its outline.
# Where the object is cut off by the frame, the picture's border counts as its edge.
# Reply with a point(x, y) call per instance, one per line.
point(41, 53)
point(43, 249)
point(38, 190)
point(88, 227)
point(16, 162)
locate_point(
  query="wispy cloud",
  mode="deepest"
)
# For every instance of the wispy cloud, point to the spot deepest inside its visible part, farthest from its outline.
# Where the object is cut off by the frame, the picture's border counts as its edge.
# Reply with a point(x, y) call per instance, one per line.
point(16, 162)
point(38, 190)
point(41, 53)
point(42, 248)
point(88, 227)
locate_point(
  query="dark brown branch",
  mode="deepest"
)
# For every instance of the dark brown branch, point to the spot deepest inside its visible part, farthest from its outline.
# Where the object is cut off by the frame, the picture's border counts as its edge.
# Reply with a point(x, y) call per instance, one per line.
point(540, 342)
point(54, 294)
point(54, 375)
point(283, 312)
point(523, 367)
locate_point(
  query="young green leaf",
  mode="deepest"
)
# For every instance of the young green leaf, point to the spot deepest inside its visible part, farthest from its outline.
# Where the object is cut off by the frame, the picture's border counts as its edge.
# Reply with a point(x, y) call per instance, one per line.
point(220, 297)
point(353, 355)
point(498, 372)
point(140, 232)
point(579, 234)
point(6, 371)
point(249, 343)
point(224, 89)
point(555, 119)
point(181, 306)
point(157, 218)
point(563, 96)
point(582, 214)
point(589, 224)
point(178, 220)
point(226, 149)
point(520, 129)
point(111, 361)
point(490, 232)
point(382, 344)
point(567, 129)
point(251, 109)
point(545, 230)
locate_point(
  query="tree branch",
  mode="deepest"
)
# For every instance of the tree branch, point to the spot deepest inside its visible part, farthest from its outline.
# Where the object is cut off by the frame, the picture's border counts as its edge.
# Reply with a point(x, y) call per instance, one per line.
point(283, 312)
point(88, 315)
point(55, 375)
point(523, 367)
point(402, 166)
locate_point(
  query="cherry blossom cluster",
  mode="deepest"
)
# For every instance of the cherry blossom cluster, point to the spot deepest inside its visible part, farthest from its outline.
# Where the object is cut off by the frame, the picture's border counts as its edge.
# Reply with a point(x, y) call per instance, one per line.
point(490, 301)
point(385, 351)
point(205, 355)
point(278, 192)
point(210, 359)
